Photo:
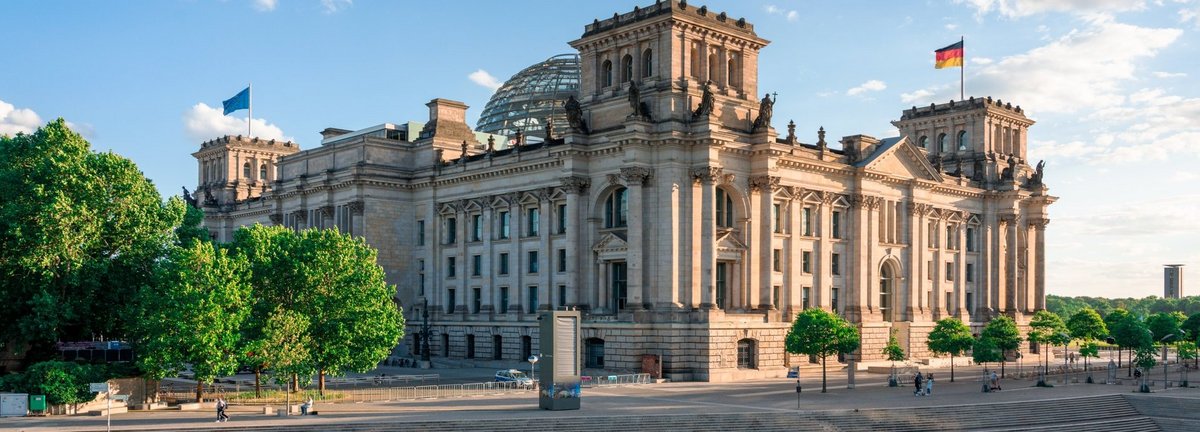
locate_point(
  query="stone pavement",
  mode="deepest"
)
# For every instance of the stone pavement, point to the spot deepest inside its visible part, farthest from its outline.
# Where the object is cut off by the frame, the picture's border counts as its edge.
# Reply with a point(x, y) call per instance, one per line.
point(766, 397)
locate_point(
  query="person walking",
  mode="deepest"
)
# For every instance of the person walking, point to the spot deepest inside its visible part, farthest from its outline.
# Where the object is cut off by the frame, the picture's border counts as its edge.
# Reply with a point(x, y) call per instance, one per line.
point(222, 406)
point(918, 380)
point(929, 385)
point(995, 381)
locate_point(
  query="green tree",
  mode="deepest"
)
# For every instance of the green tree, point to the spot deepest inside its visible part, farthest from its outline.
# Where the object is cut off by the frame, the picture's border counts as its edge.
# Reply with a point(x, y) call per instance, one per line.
point(1186, 350)
point(1046, 328)
point(193, 314)
point(950, 337)
point(1144, 358)
point(281, 344)
point(191, 228)
point(1192, 327)
point(1163, 324)
point(894, 353)
point(821, 333)
point(1087, 326)
point(1130, 333)
point(1111, 320)
point(273, 275)
point(1089, 350)
point(1002, 331)
point(80, 231)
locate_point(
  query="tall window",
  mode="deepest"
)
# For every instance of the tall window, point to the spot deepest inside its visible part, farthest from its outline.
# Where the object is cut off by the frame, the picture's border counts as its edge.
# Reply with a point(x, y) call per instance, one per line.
point(807, 221)
point(835, 229)
point(943, 143)
point(503, 222)
point(776, 260)
point(962, 140)
point(949, 271)
point(616, 208)
point(503, 300)
point(533, 299)
point(445, 344)
point(503, 264)
point(627, 68)
point(476, 265)
point(694, 55)
point(647, 63)
point(476, 227)
point(618, 274)
point(533, 220)
point(722, 282)
point(593, 349)
point(562, 296)
point(835, 264)
point(562, 260)
point(533, 261)
point(806, 301)
point(885, 292)
point(733, 74)
point(971, 239)
point(607, 74)
point(451, 300)
point(246, 170)
point(951, 231)
point(923, 142)
point(806, 261)
point(497, 347)
point(450, 267)
point(420, 233)
point(970, 272)
point(421, 274)
point(562, 219)
point(833, 299)
point(746, 354)
point(724, 209)
point(777, 296)
point(476, 300)
point(451, 231)
point(262, 172)
point(777, 217)
point(470, 346)
point(714, 68)
point(526, 347)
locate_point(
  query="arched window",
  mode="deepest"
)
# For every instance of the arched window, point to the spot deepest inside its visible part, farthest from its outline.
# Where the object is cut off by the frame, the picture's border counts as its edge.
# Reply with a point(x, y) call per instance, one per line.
point(626, 68)
point(923, 142)
point(962, 140)
point(616, 209)
point(593, 353)
point(886, 287)
point(606, 73)
point(246, 170)
point(732, 71)
point(747, 353)
point(714, 68)
point(262, 172)
point(647, 63)
point(943, 143)
point(724, 209)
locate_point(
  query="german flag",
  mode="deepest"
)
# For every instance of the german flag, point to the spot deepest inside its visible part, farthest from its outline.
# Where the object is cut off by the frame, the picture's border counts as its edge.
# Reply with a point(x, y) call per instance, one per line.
point(951, 56)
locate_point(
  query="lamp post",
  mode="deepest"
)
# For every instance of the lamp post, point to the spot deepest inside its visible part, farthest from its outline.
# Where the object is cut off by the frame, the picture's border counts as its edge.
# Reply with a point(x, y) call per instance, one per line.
point(1163, 341)
point(533, 359)
point(1066, 370)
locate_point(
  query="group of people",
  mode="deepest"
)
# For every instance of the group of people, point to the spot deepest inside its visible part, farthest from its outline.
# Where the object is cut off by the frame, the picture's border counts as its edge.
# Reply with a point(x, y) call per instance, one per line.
point(222, 405)
point(924, 384)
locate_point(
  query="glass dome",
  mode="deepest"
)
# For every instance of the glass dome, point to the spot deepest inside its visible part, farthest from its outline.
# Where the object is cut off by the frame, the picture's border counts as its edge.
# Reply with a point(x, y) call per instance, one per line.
point(529, 97)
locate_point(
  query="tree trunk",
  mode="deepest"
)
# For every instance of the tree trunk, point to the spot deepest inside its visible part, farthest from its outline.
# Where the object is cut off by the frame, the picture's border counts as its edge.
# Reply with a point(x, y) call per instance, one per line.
point(823, 374)
point(1002, 363)
point(258, 382)
point(321, 382)
point(951, 368)
point(295, 385)
point(199, 391)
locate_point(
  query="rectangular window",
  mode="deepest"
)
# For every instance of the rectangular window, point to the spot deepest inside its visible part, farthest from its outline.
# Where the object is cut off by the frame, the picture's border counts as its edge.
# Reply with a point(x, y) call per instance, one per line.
point(476, 265)
point(503, 225)
point(807, 221)
point(451, 230)
point(929, 270)
point(949, 302)
point(971, 239)
point(806, 261)
point(562, 296)
point(777, 296)
point(562, 218)
point(562, 260)
point(949, 271)
point(421, 273)
point(950, 230)
point(477, 300)
point(933, 234)
point(970, 272)
point(420, 233)
point(503, 300)
point(533, 261)
point(503, 264)
point(835, 264)
point(805, 301)
point(450, 267)
point(451, 300)
point(970, 302)
point(722, 287)
point(833, 299)
point(836, 225)
point(533, 299)
point(776, 259)
point(618, 273)
point(476, 227)
point(533, 220)
point(778, 217)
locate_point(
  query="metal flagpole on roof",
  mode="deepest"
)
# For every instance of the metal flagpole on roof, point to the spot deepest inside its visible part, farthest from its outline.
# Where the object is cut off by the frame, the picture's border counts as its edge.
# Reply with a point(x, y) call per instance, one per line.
point(962, 70)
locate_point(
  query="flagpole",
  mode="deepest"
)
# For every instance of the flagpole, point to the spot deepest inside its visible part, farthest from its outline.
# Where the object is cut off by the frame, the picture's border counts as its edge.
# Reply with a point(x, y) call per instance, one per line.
point(250, 115)
point(962, 71)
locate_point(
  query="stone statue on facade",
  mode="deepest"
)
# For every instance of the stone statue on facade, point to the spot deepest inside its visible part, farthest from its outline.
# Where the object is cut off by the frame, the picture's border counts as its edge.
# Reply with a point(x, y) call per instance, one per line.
point(209, 199)
point(641, 110)
point(549, 128)
point(706, 102)
point(1036, 178)
point(463, 156)
point(977, 171)
point(491, 148)
point(1008, 172)
point(791, 136)
point(189, 198)
point(575, 115)
point(766, 108)
point(937, 164)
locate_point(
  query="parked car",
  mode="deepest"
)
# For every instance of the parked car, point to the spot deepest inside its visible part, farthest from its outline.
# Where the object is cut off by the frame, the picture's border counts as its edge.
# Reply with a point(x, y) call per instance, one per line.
point(513, 375)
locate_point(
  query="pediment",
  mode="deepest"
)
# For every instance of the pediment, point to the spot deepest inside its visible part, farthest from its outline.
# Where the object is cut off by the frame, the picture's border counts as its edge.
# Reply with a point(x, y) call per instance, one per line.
point(729, 242)
point(610, 242)
point(902, 159)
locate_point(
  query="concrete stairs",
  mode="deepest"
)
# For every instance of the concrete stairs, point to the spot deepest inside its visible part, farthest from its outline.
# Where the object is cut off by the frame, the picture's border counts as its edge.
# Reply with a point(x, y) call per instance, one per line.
point(998, 416)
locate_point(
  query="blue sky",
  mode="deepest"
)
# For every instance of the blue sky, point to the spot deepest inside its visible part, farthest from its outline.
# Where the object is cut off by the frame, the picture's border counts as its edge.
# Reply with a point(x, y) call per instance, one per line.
point(1112, 84)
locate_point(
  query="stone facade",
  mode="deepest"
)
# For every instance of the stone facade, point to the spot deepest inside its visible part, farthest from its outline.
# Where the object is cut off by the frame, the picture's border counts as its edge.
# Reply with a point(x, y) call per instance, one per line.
point(679, 223)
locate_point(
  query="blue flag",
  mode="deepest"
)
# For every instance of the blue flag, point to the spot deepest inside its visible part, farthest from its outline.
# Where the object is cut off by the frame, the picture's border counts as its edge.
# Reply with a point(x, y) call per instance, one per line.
point(239, 102)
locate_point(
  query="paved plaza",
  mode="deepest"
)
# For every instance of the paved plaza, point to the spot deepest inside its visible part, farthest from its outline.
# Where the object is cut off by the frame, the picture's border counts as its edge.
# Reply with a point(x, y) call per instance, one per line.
point(647, 402)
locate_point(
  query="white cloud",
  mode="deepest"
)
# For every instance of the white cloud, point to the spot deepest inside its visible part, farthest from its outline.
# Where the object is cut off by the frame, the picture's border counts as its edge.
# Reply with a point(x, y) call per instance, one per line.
point(921, 95)
point(982, 61)
point(334, 6)
point(203, 122)
point(872, 85)
point(1184, 177)
point(952, 27)
point(1190, 15)
point(485, 79)
point(15, 120)
point(793, 15)
point(790, 15)
point(1021, 8)
point(265, 5)
point(1169, 74)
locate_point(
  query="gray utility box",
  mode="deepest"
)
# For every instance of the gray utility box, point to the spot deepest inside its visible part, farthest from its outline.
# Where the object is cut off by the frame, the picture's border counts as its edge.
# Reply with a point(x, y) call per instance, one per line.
point(559, 374)
point(17, 404)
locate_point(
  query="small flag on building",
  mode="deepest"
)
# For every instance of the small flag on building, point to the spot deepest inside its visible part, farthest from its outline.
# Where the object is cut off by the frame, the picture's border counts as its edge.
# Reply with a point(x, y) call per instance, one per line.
point(951, 56)
point(239, 102)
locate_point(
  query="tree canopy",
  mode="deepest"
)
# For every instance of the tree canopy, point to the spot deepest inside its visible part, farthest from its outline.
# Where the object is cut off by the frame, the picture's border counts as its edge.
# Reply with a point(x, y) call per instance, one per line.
point(1192, 327)
point(821, 333)
point(950, 337)
point(80, 231)
point(1165, 324)
point(1003, 332)
point(1143, 307)
point(1087, 325)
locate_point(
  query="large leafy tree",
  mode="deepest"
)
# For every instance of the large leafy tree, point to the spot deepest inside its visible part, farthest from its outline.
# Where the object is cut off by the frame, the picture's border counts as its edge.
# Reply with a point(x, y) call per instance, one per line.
point(193, 314)
point(950, 337)
point(1131, 333)
point(79, 233)
point(1002, 331)
point(1087, 326)
point(1047, 328)
point(1165, 324)
point(821, 333)
point(1192, 327)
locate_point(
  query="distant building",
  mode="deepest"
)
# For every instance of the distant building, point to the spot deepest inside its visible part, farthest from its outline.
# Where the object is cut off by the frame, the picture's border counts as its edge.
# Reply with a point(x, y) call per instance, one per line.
point(1173, 281)
point(666, 208)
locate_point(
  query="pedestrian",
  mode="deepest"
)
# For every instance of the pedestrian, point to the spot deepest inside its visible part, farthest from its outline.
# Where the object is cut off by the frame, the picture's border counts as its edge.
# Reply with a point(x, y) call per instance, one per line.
point(929, 384)
point(306, 406)
point(222, 406)
point(995, 381)
point(918, 380)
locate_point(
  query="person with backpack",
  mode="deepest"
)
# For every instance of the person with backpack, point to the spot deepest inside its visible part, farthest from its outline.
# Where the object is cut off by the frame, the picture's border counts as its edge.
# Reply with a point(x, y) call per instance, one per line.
point(222, 416)
point(919, 380)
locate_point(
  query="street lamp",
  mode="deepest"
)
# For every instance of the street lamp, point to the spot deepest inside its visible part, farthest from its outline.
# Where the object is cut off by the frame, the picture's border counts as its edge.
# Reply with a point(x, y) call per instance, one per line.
point(533, 359)
point(1066, 370)
point(1163, 341)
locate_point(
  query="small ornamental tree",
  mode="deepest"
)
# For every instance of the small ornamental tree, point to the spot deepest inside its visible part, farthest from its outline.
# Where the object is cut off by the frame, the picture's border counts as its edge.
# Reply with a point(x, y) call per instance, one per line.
point(984, 351)
point(1111, 321)
point(1192, 327)
point(950, 337)
point(1002, 331)
point(1130, 333)
point(821, 333)
point(1087, 326)
point(1144, 358)
point(1089, 350)
point(1186, 350)
point(1044, 328)
point(894, 353)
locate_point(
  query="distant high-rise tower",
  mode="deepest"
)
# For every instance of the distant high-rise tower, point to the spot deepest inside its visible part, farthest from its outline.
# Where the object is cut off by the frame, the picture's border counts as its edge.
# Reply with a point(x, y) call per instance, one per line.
point(1173, 281)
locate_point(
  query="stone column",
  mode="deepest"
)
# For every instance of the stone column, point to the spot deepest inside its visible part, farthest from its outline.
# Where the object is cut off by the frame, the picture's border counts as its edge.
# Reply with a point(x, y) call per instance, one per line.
point(549, 256)
point(489, 292)
point(574, 186)
point(1039, 266)
point(823, 271)
point(937, 300)
point(706, 176)
point(356, 219)
point(1008, 224)
point(635, 178)
point(860, 262)
point(960, 267)
point(794, 279)
point(762, 192)
point(916, 261)
point(517, 260)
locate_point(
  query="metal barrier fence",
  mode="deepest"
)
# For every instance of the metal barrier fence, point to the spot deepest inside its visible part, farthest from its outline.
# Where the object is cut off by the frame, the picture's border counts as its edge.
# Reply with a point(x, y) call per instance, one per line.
point(605, 380)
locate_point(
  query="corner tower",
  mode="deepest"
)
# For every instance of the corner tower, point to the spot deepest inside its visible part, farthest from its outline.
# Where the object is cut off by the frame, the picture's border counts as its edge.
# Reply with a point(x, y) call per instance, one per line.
point(669, 51)
point(980, 134)
point(236, 168)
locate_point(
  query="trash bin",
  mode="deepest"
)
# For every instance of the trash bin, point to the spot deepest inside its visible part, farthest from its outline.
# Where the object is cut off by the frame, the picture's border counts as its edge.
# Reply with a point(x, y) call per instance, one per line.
point(37, 404)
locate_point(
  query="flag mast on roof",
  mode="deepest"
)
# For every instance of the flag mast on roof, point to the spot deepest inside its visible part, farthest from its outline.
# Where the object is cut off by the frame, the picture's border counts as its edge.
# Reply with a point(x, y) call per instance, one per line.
point(241, 101)
point(952, 56)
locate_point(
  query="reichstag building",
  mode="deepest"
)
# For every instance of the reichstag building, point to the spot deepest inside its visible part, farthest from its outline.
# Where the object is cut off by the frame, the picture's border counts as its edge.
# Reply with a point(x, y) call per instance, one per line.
point(644, 182)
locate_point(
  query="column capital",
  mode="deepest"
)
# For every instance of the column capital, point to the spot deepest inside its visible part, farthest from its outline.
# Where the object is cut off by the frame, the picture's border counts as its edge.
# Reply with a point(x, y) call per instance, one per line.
point(357, 207)
point(276, 218)
point(760, 183)
point(919, 209)
point(1039, 223)
point(706, 175)
point(865, 201)
point(326, 210)
point(575, 184)
point(1008, 219)
point(635, 176)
